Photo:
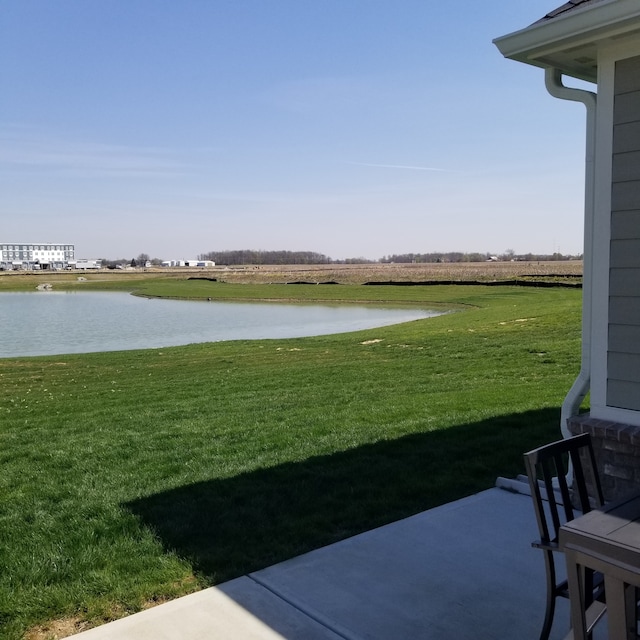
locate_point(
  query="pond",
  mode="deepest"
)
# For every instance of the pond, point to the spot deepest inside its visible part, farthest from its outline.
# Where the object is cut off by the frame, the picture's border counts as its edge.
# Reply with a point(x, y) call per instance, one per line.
point(54, 322)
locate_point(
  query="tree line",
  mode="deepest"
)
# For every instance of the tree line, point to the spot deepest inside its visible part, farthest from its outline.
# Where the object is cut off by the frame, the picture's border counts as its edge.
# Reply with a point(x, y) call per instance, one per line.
point(252, 257)
point(248, 256)
point(456, 256)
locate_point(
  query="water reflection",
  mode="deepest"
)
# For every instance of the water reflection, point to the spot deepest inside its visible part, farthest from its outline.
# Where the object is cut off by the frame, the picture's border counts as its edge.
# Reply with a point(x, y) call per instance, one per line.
point(54, 322)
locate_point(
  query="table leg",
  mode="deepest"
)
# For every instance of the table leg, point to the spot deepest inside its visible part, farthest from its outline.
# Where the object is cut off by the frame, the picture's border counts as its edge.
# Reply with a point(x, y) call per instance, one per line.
point(575, 581)
point(616, 608)
point(631, 604)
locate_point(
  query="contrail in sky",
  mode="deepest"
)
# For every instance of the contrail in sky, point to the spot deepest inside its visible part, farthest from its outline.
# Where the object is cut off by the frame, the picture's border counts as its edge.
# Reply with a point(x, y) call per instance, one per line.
point(396, 166)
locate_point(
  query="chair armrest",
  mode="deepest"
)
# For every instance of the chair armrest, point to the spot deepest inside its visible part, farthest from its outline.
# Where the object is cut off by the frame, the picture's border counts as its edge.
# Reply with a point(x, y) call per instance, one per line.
point(545, 545)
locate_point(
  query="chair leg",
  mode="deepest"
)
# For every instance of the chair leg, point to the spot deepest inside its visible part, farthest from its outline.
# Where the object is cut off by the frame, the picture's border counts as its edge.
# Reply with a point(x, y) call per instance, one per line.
point(551, 595)
point(548, 616)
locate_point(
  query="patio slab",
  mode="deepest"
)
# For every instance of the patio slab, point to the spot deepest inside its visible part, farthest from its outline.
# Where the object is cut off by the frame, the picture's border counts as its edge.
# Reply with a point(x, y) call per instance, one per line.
point(465, 570)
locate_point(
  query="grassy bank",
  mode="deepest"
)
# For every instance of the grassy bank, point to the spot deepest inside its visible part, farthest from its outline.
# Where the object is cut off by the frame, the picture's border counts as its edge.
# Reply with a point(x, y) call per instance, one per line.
point(133, 477)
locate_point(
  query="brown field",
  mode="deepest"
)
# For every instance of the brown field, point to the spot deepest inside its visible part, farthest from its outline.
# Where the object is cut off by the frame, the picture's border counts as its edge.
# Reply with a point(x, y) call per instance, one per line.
point(342, 273)
point(360, 273)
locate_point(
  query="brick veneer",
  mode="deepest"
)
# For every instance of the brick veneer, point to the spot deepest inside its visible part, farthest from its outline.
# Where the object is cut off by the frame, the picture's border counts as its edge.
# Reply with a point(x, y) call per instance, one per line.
point(617, 451)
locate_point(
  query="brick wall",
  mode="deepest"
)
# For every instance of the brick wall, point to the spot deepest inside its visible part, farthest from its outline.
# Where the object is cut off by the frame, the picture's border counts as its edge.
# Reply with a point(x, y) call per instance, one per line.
point(617, 451)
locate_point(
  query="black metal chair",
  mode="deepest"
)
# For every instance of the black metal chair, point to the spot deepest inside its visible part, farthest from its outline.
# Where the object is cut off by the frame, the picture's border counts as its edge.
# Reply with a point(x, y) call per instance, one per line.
point(556, 502)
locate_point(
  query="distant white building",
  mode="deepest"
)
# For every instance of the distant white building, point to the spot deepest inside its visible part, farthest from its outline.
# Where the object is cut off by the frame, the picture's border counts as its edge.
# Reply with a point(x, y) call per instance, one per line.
point(86, 264)
point(188, 263)
point(199, 263)
point(27, 255)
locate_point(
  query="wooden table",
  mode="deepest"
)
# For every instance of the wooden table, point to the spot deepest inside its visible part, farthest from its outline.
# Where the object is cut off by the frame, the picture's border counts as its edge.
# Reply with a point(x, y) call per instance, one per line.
point(605, 540)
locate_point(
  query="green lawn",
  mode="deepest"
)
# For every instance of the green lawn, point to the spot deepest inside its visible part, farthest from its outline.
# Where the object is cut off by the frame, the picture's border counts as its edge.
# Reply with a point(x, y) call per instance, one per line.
point(132, 477)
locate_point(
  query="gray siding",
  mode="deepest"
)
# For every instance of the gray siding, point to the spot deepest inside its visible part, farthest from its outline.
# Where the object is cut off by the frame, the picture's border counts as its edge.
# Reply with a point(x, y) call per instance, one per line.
point(623, 362)
point(625, 339)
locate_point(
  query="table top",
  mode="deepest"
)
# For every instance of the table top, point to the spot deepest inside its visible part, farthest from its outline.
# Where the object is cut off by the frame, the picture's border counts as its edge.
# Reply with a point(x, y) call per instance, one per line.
point(612, 532)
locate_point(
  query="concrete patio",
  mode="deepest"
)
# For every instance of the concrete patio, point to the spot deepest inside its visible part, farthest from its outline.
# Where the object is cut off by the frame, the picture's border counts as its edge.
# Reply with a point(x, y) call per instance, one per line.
point(465, 570)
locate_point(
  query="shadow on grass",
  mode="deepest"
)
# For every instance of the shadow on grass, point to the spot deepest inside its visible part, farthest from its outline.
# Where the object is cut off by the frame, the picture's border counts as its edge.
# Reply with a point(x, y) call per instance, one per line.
point(230, 527)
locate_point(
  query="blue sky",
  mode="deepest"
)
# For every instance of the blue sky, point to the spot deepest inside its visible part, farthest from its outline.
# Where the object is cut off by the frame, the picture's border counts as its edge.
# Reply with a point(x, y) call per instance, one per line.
point(346, 127)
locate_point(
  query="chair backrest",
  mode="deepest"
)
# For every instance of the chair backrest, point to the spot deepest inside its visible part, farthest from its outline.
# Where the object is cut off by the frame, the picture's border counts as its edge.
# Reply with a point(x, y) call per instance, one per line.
point(547, 469)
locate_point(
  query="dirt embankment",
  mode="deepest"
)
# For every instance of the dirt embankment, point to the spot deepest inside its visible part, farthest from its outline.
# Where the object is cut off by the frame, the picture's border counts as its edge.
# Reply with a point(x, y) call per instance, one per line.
point(482, 272)
point(569, 272)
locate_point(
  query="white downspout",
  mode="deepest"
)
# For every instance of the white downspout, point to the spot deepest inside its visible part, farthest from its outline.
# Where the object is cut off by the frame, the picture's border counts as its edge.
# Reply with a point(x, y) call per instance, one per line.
point(580, 388)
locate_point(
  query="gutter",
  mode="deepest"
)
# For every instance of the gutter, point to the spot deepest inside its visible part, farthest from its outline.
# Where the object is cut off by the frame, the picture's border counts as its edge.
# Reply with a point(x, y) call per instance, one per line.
point(578, 26)
point(581, 386)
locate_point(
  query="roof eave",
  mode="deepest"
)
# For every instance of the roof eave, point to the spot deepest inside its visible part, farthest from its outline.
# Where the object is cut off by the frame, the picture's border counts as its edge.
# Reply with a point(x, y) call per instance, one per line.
point(545, 44)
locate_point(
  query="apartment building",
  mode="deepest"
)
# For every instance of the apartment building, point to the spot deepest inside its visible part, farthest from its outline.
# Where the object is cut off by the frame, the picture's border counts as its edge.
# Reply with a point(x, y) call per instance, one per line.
point(27, 255)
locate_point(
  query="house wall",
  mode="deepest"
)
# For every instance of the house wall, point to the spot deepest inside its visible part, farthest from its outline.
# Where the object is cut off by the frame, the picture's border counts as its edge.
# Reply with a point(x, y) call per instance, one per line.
point(617, 451)
point(623, 353)
point(613, 420)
